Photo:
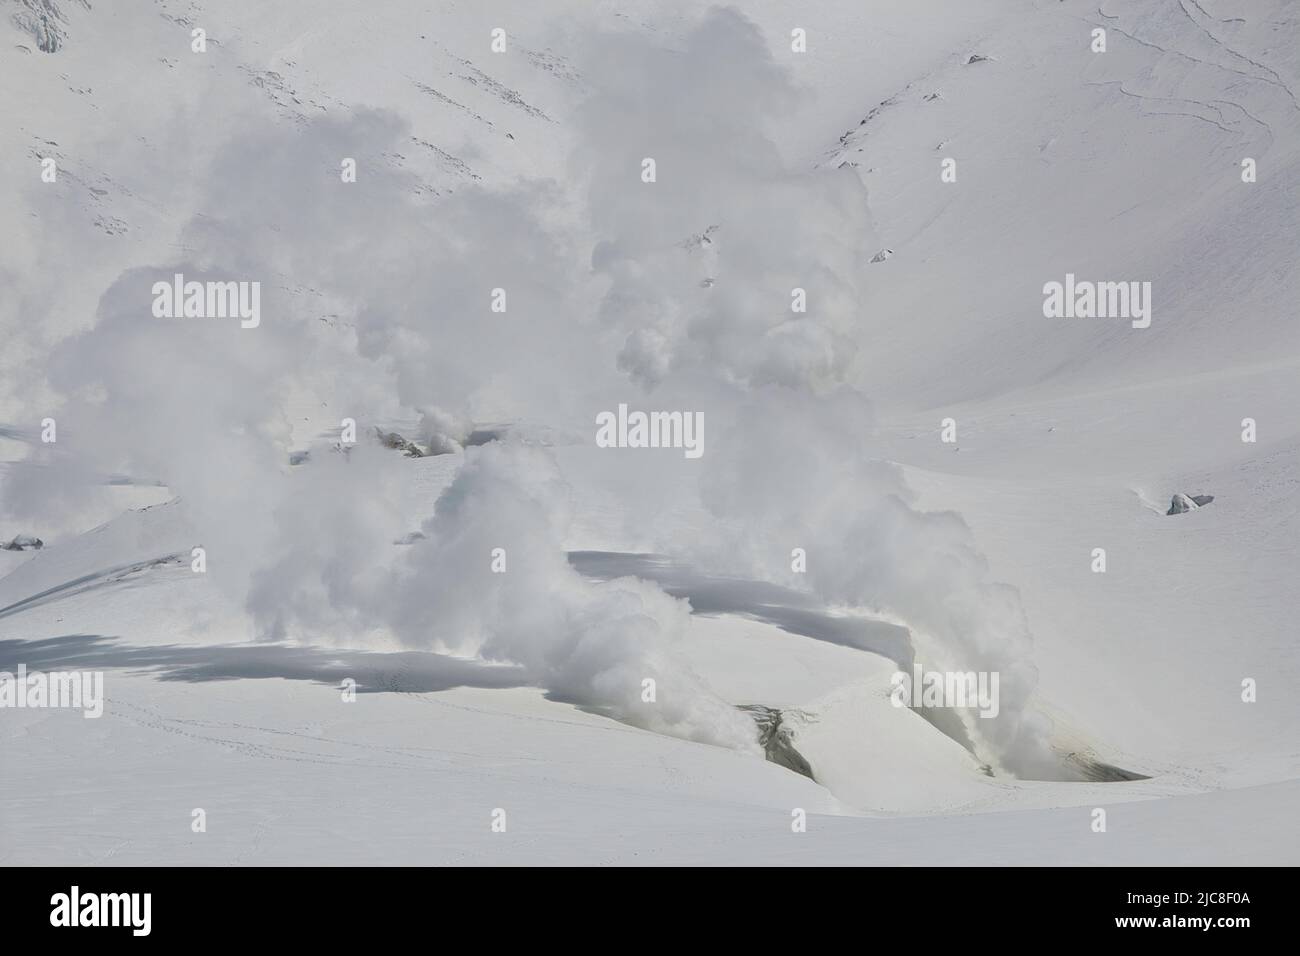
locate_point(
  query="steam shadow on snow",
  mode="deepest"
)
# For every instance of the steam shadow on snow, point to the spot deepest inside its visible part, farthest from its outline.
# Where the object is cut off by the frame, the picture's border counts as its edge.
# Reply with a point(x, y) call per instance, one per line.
point(428, 672)
point(792, 611)
point(411, 672)
point(802, 614)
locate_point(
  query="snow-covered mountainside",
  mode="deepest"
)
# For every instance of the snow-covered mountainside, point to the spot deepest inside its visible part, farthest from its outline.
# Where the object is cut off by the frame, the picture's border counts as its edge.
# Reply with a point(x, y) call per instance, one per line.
point(974, 324)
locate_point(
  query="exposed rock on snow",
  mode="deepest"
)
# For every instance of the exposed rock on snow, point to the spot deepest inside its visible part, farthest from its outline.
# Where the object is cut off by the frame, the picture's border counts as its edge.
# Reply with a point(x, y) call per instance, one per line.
point(777, 741)
point(393, 440)
point(882, 255)
point(1183, 503)
point(23, 542)
point(700, 239)
point(1091, 769)
point(44, 20)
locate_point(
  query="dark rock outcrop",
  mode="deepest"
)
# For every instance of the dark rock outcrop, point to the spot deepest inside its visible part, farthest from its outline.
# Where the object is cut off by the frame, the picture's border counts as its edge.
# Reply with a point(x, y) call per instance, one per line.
point(44, 21)
point(1181, 503)
point(395, 441)
point(777, 741)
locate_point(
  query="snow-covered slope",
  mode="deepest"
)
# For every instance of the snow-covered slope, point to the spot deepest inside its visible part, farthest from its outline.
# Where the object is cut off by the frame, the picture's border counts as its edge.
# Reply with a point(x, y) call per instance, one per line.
point(523, 691)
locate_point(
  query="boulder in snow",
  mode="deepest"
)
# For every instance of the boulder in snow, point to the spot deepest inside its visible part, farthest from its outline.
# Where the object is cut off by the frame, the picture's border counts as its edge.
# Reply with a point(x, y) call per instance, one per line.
point(1182, 503)
point(395, 441)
